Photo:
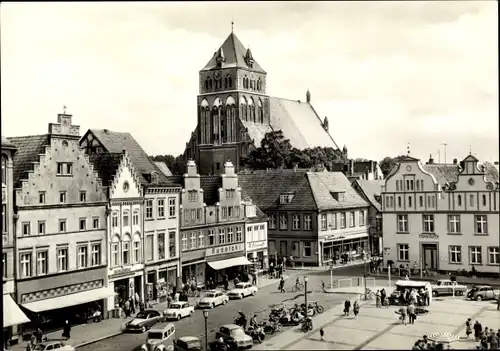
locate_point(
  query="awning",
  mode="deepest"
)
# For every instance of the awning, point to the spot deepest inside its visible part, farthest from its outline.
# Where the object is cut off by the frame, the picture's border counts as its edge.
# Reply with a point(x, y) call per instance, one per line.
point(12, 314)
point(230, 262)
point(69, 300)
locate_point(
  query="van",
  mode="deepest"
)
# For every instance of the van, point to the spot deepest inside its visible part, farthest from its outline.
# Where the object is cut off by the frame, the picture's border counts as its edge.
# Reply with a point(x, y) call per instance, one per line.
point(402, 285)
point(160, 338)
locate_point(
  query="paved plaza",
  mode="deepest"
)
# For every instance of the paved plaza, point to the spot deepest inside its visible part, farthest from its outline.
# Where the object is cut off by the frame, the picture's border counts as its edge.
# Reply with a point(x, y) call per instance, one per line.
point(380, 329)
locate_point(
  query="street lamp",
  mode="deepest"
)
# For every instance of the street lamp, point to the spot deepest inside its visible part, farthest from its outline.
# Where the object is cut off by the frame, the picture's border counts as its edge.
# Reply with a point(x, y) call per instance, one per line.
point(305, 295)
point(205, 314)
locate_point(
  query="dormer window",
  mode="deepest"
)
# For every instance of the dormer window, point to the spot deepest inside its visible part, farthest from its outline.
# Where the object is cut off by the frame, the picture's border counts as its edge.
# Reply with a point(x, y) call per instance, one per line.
point(230, 193)
point(192, 195)
point(286, 199)
point(154, 178)
point(339, 196)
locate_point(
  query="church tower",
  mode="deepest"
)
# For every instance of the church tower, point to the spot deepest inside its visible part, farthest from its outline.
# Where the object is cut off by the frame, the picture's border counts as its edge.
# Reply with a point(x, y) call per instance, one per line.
point(232, 98)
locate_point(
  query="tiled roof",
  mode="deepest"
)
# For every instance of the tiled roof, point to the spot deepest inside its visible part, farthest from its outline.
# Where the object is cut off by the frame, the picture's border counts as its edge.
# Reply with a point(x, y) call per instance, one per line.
point(257, 131)
point(265, 188)
point(491, 172)
point(162, 166)
point(6, 144)
point(372, 189)
point(106, 165)
point(323, 184)
point(444, 173)
point(28, 149)
point(209, 183)
point(234, 53)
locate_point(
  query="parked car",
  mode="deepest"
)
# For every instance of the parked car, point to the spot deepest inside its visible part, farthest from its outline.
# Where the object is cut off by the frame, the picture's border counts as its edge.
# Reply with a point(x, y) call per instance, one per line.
point(447, 287)
point(188, 343)
point(160, 339)
point(242, 290)
point(234, 336)
point(53, 345)
point(178, 310)
point(483, 292)
point(144, 320)
point(212, 299)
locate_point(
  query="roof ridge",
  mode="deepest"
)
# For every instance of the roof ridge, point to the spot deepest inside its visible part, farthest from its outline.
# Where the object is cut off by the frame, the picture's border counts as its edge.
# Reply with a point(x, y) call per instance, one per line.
point(312, 191)
point(28, 136)
point(319, 118)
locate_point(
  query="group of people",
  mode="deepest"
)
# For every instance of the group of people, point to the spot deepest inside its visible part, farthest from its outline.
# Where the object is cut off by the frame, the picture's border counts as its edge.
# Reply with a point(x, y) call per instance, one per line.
point(409, 312)
point(426, 344)
point(488, 339)
point(381, 298)
point(419, 298)
point(347, 308)
point(130, 305)
point(37, 336)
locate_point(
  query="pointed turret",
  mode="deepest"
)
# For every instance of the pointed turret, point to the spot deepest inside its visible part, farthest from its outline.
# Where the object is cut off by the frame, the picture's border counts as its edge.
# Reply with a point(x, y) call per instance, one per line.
point(308, 96)
point(219, 56)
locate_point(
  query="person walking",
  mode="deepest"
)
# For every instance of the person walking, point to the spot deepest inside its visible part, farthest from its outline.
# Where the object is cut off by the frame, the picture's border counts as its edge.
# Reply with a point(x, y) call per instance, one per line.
point(132, 305)
point(66, 330)
point(383, 296)
point(426, 297)
point(281, 286)
point(478, 328)
point(347, 307)
point(412, 313)
point(321, 333)
point(377, 299)
point(403, 312)
point(468, 328)
point(126, 308)
point(355, 309)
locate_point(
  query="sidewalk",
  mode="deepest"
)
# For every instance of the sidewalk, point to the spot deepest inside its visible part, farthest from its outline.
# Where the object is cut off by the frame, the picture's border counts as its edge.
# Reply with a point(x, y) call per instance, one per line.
point(327, 267)
point(495, 282)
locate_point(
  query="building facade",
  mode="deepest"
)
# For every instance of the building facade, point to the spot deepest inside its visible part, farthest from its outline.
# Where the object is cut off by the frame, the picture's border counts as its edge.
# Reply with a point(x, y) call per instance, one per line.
point(212, 225)
point(60, 227)
point(314, 217)
point(256, 239)
point(442, 217)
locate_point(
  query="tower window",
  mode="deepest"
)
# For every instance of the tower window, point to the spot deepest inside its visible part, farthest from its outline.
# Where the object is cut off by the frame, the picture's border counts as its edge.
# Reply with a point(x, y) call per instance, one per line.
point(259, 84)
point(245, 82)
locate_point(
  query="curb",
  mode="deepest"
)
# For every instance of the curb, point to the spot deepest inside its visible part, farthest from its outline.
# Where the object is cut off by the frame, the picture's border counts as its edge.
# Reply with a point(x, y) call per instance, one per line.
point(99, 339)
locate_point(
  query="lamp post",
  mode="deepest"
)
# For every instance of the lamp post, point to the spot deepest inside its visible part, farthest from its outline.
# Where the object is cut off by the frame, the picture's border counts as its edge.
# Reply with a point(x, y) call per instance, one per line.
point(205, 314)
point(364, 283)
point(305, 295)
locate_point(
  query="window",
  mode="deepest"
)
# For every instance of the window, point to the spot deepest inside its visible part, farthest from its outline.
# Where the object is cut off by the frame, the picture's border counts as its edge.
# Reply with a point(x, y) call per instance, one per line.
point(230, 193)
point(64, 168)
point(428, 223)
point(161, 208)
point(230, 235)
point(41, 197)
point(95, 222)
point(42, 262)
point(83, 196)
point(283, 222)
point(62, 197)
point(222, 236)
point(114, 254)
point(26, 228)
point(171, 207)
point(237, 211)
point(149, 247)
point(475, 256)
point(201, 239)
point(230, 211)
point(4, 265)
point(334, 220)
point(295, 222)
point(484, 200)
point(403, 223)
point(135, 217)
point(323, 221)
point(239, 236)
point(455, 254)
point(418, 185)
point(272, 221)
point(161, 246)
point(307, 222)
point(397, 185)
point(286, 199)
point(342, 220)
point(193, 214)
point(211, 237)
point(421, 201)
point(149, 209)
point(471, 198)
point(307, 249)
point(62, 259)
point(125, 218)
point(493, 255)
point(249, 236)
point(172, 251)
point(62, 226)
point(454, 224)
point(224, 212)
point(403, 252)
point(126, 252)
point(4, 218)
point(193, 241)
point(351, 219)
point(26, 267)
point(82, 256)
point(198, 213)
point(407, 184)
point(459, 200)
point(83, 223)
point(409, 202)
point(114, 220)
point(399, 201)
point(96, 255)
point(41, 227)
point(137, 248)
point(192, 195)
point(481, 224)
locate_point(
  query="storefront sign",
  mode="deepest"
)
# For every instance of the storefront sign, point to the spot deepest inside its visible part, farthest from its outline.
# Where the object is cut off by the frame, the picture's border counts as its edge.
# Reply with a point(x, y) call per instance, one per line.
point(257, 244)
point(224, 249)
point(428, 236)
point(334, 237)
point(120, 272)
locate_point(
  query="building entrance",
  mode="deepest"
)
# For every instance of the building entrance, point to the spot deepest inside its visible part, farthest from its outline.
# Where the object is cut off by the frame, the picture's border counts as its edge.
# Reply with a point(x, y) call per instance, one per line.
point(430, 256)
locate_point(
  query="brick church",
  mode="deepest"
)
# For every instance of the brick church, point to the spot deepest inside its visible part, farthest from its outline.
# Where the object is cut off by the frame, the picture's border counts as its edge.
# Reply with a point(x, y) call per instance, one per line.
point(235, 113)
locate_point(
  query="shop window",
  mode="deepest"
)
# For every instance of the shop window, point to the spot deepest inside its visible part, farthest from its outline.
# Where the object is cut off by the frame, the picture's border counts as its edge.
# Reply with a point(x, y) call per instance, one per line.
point(307, 249)
point(161, 246)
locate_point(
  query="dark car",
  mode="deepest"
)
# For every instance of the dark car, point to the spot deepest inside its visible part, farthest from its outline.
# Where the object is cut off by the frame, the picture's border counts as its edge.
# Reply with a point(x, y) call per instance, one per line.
point(144, 320)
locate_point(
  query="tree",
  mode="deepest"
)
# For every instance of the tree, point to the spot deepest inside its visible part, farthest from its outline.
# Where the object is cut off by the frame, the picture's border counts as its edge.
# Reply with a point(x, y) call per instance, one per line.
point(274, 152)
point(171, 162)
point(388, 163)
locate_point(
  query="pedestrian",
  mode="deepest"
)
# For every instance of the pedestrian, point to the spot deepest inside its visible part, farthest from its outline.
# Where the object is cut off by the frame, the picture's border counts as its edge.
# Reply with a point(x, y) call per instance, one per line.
point(226, 283)
point(494, 341)
point(33, 340)
point(412, 313)
point(132, 305)
point(478, 328)
point(254, 278)
point(282, 285)
point(427, 297)
point(347, 307)
point(383, 296)
point(66, 330)
point(355, 309)
point(141, 305)
point(39, 335)
point(321, 333)
point(468, 328)
point(377, 299)
point(403, 312)
point(126, 308)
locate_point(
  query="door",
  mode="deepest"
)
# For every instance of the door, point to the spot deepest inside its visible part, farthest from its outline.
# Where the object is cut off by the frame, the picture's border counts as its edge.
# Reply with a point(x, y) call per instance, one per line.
point(283, 251)
point(430, 256)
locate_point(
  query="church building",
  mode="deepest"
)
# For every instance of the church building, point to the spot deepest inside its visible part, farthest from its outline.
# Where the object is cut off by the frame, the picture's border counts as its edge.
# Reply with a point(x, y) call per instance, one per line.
point(235, 112)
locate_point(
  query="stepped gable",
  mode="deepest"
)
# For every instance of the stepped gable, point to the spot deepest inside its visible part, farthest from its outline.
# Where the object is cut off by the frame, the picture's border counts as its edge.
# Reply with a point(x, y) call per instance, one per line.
point(29, 149)
point(106, 165)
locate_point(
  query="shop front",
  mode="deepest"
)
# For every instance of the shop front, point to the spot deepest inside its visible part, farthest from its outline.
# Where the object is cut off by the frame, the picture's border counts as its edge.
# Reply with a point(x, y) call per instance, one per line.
point(160, 280)
point(13, 316)
point(257, 254)
point(194, 267)
point(125, 282)
point(226, 260)
point(333, 246)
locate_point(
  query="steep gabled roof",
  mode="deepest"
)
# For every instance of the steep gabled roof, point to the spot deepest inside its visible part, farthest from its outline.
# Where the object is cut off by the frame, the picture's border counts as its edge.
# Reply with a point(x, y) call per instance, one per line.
point(28, 150)
point(6, 144)
point(162, 166)
point(371, 189)
point(209, 183)
point(443, 173)
point(106, 165)
point(234, 53)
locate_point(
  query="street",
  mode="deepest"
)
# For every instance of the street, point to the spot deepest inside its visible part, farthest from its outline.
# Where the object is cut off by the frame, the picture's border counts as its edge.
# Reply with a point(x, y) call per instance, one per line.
point(259, 304)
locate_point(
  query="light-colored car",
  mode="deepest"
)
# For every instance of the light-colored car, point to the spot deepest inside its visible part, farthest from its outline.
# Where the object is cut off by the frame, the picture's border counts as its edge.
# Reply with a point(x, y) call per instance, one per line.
point(159, 339)
point(234, 336)
point(212, 299)
point(447, 287)
point(53, 345)
point(483, 292)
point(242, 290)
point(144, 320)
point(178, 310)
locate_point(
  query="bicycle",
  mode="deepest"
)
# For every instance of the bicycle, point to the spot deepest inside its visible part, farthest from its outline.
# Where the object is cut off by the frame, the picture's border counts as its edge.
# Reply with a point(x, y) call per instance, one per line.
point(317, 307)
point(298, 287)
point(369, 295)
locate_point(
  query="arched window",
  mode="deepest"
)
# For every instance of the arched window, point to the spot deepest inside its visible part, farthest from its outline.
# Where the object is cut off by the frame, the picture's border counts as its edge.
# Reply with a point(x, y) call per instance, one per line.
point(136, 249)
point(229, 82)
point(251, 110)
point(459, 200)
point(4, 169)
point(244, 108)
point(126, 250)
point(259, 84)
point(484, 200)
point(245, 82)
point(261, 112)
point(399, 201)
point(209, 83)
point(472, 200)
point(205, 122)
point(115, 251)
point(230, 119)
point(126, 218)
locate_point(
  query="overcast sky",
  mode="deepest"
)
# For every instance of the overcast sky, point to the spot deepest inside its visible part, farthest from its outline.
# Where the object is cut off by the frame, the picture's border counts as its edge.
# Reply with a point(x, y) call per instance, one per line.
point(385, 73)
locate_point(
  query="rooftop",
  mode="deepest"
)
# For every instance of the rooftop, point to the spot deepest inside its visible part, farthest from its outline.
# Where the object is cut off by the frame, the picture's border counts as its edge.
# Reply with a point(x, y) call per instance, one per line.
point(28, 150)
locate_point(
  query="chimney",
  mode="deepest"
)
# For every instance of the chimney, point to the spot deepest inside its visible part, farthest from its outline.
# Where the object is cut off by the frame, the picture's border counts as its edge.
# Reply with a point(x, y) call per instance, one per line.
point(308, 96)
point(431, 160)
point(229, 168)
point(455, 161)
point(191, 168)
point(351, 167)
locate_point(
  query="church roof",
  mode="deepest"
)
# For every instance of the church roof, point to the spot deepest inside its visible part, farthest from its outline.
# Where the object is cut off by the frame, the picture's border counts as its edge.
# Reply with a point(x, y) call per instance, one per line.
point(164, 168)
point(234, 53)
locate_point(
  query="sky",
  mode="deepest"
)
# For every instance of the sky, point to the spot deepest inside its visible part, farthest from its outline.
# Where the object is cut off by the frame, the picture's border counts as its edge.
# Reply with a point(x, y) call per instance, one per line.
point(386, 74)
